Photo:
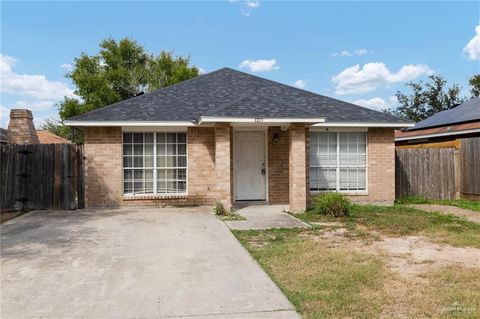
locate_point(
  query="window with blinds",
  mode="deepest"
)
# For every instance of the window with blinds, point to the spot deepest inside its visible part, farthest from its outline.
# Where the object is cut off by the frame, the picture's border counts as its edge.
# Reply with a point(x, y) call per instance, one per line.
point(154, 163)
point(338, 161)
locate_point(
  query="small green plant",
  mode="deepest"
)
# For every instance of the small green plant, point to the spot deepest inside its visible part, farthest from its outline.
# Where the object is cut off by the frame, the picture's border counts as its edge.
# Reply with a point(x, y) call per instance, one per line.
point(332, 204)
point(219, 209)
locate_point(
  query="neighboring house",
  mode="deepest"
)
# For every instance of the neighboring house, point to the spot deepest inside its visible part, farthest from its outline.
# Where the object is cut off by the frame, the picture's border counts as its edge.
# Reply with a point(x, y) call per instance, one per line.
point(21, 130)
point(229, 136)
point(3, 136)
point(45, 137)
point(444, 128)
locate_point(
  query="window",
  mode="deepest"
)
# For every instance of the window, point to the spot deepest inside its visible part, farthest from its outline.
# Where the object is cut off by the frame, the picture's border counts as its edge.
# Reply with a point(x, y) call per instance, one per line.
point(338, 161)
point(154, 163)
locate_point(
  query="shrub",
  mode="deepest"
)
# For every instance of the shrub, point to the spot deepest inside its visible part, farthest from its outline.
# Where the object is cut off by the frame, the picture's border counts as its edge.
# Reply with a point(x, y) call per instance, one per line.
point(219, 209)
point(332, 204)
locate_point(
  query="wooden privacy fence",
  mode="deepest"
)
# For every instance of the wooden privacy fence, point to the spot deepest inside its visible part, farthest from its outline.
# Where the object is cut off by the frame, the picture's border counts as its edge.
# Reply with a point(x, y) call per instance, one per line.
point(41, 176)
point(426, 172)
point(470, 167)
point(439, 173)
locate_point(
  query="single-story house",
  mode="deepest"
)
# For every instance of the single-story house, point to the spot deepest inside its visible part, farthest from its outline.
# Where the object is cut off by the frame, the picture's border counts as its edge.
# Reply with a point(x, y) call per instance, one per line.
point(444, 128)
point(229, 136)
point(46, 137)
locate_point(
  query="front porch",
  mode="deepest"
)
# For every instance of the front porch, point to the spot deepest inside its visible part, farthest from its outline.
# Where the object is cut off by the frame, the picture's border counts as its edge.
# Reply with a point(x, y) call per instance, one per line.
point(261, 163)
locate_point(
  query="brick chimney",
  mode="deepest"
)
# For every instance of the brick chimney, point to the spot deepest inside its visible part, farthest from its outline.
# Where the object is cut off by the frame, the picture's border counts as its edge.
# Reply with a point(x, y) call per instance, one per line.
point(21, 129)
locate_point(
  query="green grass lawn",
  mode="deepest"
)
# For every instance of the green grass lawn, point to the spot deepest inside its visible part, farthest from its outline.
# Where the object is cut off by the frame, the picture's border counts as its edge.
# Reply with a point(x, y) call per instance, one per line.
point(462, 203)
point(400, 220)
point(325, 280)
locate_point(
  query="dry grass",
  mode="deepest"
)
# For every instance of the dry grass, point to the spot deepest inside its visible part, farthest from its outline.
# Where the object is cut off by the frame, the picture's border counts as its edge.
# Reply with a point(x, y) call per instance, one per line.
point(329, 278)
point(450, 292)
point(321, 282)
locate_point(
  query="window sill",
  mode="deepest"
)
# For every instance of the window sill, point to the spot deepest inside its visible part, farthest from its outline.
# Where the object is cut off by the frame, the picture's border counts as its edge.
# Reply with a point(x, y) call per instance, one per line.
point(154, 196)
point(350, 193)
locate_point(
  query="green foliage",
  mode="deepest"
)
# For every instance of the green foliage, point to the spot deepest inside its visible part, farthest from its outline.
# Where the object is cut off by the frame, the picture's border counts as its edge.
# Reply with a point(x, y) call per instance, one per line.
point(427, 99)
point(412, 200)
point(219, 209)
point(475, 85)
point(120, 70)
point(462, 202)
point(332, 204)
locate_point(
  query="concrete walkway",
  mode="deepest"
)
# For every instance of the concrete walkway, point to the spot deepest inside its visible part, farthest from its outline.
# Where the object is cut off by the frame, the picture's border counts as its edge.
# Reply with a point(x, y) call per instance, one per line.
point(260, 217)
point(468, 214)
point(131, 263)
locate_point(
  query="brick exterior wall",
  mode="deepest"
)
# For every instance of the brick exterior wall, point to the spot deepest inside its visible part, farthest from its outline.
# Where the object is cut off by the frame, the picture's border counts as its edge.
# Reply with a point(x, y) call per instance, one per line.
point(298, 168)
point(20, 128)
point(278, 189)
point(201, 165)
point(103, 167)
point(381, 167)
point(210, 168)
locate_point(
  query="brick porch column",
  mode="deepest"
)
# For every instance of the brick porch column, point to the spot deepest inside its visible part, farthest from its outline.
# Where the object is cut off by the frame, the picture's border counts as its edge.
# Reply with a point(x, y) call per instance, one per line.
point(222, 165)
point(297, 162)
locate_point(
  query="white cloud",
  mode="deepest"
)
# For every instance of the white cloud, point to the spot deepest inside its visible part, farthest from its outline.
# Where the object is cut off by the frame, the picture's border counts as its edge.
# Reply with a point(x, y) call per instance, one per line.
point(360, 52)
point(34, 105)
point(36, 86)
point(4, 116)
point(356, 80)
point(300, 84)
point(247, 6)
point(346, 53)
point(375, 103)
point(67, 66)
point(259, 65)
point(472, 49)
point(201, 71)
point(252, 4)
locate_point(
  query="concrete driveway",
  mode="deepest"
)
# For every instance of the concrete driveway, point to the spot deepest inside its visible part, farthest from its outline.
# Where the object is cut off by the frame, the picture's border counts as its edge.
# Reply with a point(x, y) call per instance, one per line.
point(131, 263)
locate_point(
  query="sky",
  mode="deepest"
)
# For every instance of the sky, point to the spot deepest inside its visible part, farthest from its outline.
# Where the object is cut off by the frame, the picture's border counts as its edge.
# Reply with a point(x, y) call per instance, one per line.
point(361, 52)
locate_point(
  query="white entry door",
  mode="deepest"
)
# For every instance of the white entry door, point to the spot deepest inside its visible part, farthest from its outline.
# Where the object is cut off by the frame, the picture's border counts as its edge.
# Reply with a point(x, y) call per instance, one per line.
point(250, 166)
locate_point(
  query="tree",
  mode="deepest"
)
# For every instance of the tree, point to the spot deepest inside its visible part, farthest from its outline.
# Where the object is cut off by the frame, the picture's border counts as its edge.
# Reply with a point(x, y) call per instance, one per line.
point(120, 70)
point(427, 99)
point(475, 85)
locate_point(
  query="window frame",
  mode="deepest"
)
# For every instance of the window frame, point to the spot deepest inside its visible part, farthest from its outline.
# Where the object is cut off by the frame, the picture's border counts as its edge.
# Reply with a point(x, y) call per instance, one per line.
point(338, 166)
point(155, 168)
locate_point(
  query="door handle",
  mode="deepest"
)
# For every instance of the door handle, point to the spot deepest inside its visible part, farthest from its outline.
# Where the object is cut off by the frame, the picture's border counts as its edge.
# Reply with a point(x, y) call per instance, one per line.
point(263, 171)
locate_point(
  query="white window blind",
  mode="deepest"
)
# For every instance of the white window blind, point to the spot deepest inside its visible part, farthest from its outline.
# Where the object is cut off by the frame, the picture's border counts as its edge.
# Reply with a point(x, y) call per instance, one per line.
point(338, 161)
point(154, 163)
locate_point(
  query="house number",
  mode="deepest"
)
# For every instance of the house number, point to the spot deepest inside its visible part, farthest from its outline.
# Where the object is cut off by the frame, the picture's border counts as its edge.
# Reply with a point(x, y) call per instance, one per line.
point(258, 119)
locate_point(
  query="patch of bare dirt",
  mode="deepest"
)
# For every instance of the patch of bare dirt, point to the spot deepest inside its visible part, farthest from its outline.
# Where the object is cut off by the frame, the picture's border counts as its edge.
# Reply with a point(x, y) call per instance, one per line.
point(453, 210)
point(412, 255)
point(407, 256)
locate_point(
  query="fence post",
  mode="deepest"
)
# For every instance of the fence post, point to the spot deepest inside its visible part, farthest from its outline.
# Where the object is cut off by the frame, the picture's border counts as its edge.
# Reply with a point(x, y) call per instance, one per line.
point(458, 169)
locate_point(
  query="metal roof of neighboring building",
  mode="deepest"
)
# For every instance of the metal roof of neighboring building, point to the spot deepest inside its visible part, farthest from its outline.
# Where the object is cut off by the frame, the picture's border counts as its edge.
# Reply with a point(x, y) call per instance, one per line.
point(465, 112)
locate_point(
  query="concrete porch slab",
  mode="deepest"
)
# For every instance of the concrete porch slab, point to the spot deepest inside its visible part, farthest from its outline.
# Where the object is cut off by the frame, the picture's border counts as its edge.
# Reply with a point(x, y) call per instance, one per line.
point(260, 217)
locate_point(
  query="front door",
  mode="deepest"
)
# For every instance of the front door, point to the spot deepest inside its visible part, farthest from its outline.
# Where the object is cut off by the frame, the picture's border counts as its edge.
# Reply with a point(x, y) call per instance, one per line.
point(250, 169)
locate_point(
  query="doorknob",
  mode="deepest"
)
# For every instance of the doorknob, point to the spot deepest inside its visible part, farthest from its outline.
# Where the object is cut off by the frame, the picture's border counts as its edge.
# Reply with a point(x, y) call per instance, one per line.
point(263, 171)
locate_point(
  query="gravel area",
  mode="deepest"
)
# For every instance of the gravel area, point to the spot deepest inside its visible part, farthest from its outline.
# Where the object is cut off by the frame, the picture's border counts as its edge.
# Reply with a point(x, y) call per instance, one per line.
point(471, 215)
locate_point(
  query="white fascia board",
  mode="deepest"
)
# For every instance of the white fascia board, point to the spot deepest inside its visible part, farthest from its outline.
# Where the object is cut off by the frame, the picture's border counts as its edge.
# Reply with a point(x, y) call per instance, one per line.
point(364, 124)
point(417, 137)
point(128, 123)
point(208, 119)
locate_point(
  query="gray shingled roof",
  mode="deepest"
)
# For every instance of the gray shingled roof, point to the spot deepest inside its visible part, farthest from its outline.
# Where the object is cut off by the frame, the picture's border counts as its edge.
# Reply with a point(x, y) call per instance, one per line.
point(465, 112)
point(232, 93)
